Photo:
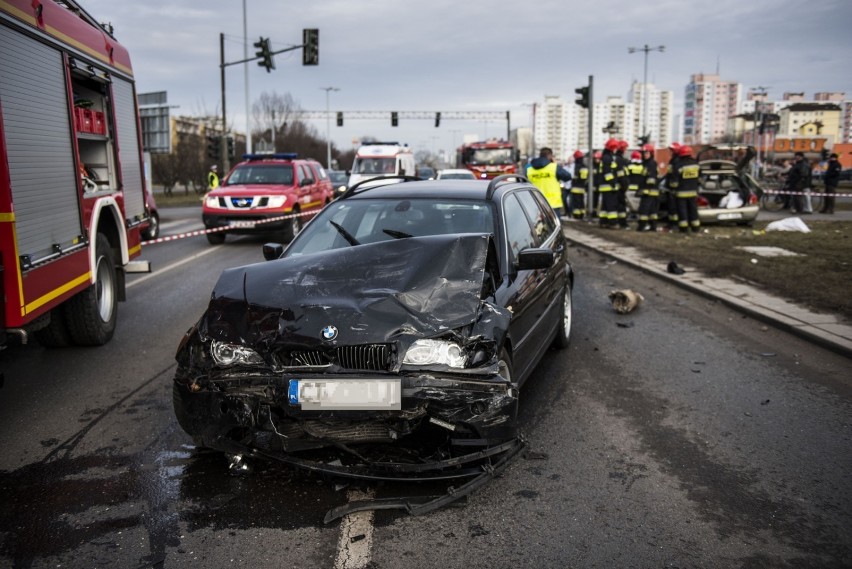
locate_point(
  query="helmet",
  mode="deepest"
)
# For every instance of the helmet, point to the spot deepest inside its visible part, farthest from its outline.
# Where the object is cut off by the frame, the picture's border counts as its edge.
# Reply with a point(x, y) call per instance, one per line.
point(598, 154)
point(214, 167)
point(611, 145)
point(674, 146)
point(578, 154)
point(635, 155)
point(622, 145)
point(684, 151)
point(648, 147)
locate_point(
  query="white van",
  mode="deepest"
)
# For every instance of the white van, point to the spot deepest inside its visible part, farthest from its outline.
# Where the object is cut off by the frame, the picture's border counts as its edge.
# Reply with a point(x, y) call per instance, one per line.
point(375, 159)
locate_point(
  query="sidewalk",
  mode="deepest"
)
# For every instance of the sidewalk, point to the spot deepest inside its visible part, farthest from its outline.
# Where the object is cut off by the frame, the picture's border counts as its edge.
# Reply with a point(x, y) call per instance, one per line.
point(822, 329)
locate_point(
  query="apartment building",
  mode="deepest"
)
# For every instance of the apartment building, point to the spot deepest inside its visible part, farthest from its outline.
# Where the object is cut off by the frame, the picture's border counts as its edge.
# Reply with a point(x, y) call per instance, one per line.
point(709, 102)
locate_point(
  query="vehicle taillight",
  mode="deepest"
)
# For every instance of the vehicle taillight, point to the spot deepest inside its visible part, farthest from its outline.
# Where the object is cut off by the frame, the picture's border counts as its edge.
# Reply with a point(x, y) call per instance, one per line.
point(702, 201)
point(752, 199)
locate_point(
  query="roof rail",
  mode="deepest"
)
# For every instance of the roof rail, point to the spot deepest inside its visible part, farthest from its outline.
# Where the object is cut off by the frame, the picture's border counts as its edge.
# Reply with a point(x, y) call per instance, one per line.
point(492, 186)
point(351, 190)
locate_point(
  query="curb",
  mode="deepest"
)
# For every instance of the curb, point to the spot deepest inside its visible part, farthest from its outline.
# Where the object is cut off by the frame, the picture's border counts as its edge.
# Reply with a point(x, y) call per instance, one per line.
point(807, 331)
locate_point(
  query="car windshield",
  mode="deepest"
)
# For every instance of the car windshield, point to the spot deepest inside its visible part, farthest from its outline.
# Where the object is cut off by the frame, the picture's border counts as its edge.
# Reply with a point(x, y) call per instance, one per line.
point(355, 222)
point(262, 174)
point(374, 165)
point(337, 177)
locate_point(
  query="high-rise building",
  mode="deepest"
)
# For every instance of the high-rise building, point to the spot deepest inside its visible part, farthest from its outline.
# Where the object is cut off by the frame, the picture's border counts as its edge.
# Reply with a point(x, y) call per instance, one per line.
point(709, 102)
point(656, 119)
point(553, 120)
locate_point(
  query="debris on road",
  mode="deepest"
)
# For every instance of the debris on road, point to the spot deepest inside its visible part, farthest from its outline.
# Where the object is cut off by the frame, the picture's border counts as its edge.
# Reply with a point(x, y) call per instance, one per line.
point(625, 300)
point(674, 268)
point(789, 224)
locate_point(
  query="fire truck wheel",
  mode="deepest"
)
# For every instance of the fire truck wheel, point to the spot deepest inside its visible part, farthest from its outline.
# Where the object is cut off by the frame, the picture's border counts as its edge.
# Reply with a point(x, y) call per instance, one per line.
point(293, 227)
point(91, 315)
point(216, 238)
point(153, 230)
point(55, 334)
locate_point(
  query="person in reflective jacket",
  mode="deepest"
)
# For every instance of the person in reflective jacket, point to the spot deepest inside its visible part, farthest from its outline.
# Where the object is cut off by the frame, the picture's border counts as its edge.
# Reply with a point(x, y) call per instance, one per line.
point(213, 178)
point(685, 188)
point(608, 171)
point(621, 183)
point(579, 185)
point(545, 174)
point(649, 193)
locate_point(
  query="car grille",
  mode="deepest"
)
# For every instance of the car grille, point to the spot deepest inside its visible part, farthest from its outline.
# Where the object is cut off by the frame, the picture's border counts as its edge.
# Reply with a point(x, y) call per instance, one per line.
point(373, 357)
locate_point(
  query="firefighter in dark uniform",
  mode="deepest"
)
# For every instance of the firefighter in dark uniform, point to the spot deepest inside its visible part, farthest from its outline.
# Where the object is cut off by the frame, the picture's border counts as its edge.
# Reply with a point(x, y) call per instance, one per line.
point(671, 204)
point(649, 200)
point(621, 183)
point(831, 178)
point(636, 176)
point(596, 183)
point(608, 170)
point(579, 184)
point(686, 190)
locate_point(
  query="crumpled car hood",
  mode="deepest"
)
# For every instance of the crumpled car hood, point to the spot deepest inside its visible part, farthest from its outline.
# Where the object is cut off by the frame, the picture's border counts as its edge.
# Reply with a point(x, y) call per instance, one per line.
point(392, 291)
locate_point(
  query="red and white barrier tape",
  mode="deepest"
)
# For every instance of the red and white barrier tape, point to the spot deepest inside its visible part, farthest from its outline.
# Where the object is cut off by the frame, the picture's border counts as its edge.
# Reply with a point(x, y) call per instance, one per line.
point(815, 194)
point(234, 225)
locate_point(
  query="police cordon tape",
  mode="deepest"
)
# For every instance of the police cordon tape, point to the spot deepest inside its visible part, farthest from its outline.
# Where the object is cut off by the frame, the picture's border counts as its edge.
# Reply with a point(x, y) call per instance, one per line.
point(234, 225)
point(815, 194)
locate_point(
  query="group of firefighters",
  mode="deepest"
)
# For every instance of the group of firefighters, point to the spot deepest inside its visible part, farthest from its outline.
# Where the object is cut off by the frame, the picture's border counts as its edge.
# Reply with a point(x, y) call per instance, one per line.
point(614, 175)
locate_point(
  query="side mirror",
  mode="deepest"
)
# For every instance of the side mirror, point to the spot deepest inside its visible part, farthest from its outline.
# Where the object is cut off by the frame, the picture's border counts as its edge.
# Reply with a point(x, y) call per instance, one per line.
point(532, 259)
point(272, 251)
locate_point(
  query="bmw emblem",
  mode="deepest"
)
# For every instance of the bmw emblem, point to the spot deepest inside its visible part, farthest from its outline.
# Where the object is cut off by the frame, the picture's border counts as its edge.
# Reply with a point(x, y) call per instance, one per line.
point(329, 333)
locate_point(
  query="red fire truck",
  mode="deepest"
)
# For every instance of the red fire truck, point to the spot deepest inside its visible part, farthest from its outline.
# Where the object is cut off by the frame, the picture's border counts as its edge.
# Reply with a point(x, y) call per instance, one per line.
point(489, 158)
point(72, 188)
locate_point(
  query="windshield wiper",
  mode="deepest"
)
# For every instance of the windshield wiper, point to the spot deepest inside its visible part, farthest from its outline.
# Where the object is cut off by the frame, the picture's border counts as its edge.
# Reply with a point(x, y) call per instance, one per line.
point(346, 235)
point(397, 234)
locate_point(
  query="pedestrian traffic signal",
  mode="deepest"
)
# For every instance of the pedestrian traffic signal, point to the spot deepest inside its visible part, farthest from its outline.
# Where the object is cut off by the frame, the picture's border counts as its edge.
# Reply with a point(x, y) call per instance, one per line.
point(339, 118)
point(583, 99)
point(394, 119)
point(437, 120)
point(310, 49)
point(214, 149)
point(264, 54)
point(231, 147)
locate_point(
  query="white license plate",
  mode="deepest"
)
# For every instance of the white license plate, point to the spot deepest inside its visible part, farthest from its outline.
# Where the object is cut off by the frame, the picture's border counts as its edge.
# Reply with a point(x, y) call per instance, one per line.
point(346, 394)
point(734, 215)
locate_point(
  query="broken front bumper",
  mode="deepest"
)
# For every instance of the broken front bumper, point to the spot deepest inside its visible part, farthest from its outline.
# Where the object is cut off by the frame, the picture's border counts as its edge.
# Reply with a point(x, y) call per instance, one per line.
point(444, 427)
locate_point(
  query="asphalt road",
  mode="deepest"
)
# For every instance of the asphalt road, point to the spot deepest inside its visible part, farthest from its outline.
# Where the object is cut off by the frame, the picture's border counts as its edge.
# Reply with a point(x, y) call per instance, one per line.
point(681, 435)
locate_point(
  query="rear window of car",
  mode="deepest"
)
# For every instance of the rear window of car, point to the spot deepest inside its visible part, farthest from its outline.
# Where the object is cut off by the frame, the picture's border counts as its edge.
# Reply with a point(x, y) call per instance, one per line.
point(375, 220)
point(262, 174)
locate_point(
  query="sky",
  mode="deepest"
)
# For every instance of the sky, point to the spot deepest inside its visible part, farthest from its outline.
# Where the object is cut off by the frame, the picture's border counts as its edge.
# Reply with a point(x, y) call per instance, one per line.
point(496, 55)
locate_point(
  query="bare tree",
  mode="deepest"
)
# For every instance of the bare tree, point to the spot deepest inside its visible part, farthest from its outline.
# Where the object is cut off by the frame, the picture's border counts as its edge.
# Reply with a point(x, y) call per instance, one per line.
point(272, 111)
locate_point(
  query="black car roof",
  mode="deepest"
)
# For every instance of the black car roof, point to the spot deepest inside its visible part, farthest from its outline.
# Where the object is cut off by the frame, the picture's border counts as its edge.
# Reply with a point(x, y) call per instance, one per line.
point(451, 189)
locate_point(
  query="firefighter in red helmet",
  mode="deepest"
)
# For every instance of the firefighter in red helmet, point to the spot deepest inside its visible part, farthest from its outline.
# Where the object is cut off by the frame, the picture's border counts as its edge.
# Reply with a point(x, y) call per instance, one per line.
point(685, 180)
point(622, 183)
point(649, 193)
point(671, 204)
point(608, 172)
point(579, 182)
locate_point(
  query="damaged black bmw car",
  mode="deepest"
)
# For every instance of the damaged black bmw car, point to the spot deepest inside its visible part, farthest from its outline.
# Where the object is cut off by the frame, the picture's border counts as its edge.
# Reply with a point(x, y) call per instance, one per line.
point(391, 337)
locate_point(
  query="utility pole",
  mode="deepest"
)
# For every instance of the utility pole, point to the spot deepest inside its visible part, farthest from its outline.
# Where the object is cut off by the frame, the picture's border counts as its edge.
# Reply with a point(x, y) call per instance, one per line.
point(644, 109)
point(758, 94)
point(328, 125)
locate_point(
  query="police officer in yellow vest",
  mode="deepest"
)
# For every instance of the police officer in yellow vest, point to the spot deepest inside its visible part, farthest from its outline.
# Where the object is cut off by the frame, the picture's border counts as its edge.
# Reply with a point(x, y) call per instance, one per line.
point(213, 178)
point(546, 174)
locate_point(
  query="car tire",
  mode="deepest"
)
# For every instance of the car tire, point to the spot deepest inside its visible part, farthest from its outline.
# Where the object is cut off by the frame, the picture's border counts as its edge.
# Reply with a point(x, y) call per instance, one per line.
point(91, 314)
point(153, 230)
point(293, 227)
point(55, 334)
point(504, 365)
point(563, 331)
point(216, 238)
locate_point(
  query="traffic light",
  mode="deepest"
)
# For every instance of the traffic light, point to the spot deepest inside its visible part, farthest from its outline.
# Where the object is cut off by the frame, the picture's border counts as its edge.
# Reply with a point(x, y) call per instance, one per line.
point(583, 99)
point(394, 119)
point(310, 51)
point(264, 54)
point(230, 147)
point(643, 140)
point(339, 118)
point(214, 149)
point(437, 120)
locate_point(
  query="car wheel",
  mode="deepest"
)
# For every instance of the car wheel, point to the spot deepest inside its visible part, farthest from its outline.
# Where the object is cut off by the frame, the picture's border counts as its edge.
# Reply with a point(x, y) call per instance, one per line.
point(91, 314)
point(563, 331)
point(153, 230)
point(293, 227)
point(216, 238)
point(504, 365)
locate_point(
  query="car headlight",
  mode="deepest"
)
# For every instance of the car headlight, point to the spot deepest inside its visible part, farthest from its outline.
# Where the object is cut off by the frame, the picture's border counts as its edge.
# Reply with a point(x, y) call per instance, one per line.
point(233, 354)
point(277, 201)
point(211, 201)
point(432, 352)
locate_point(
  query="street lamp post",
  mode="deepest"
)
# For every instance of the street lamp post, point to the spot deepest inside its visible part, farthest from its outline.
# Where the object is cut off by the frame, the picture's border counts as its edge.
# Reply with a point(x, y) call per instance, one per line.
point(645, 49)
point(328, 125)
point(758, 95)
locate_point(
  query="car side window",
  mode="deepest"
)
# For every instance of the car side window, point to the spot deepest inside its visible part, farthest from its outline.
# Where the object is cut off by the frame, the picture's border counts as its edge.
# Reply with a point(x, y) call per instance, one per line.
point(519, 234)
point(306, 174)
point(540, 215)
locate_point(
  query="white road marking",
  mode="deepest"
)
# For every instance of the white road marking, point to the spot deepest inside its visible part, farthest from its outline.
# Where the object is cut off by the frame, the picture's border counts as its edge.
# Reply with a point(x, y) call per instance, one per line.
point(167, 268)
point(356, 535)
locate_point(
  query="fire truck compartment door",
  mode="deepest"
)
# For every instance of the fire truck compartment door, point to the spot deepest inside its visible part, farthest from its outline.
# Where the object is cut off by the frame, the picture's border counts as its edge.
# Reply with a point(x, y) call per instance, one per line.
point(38, 132)
point(128, 148)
